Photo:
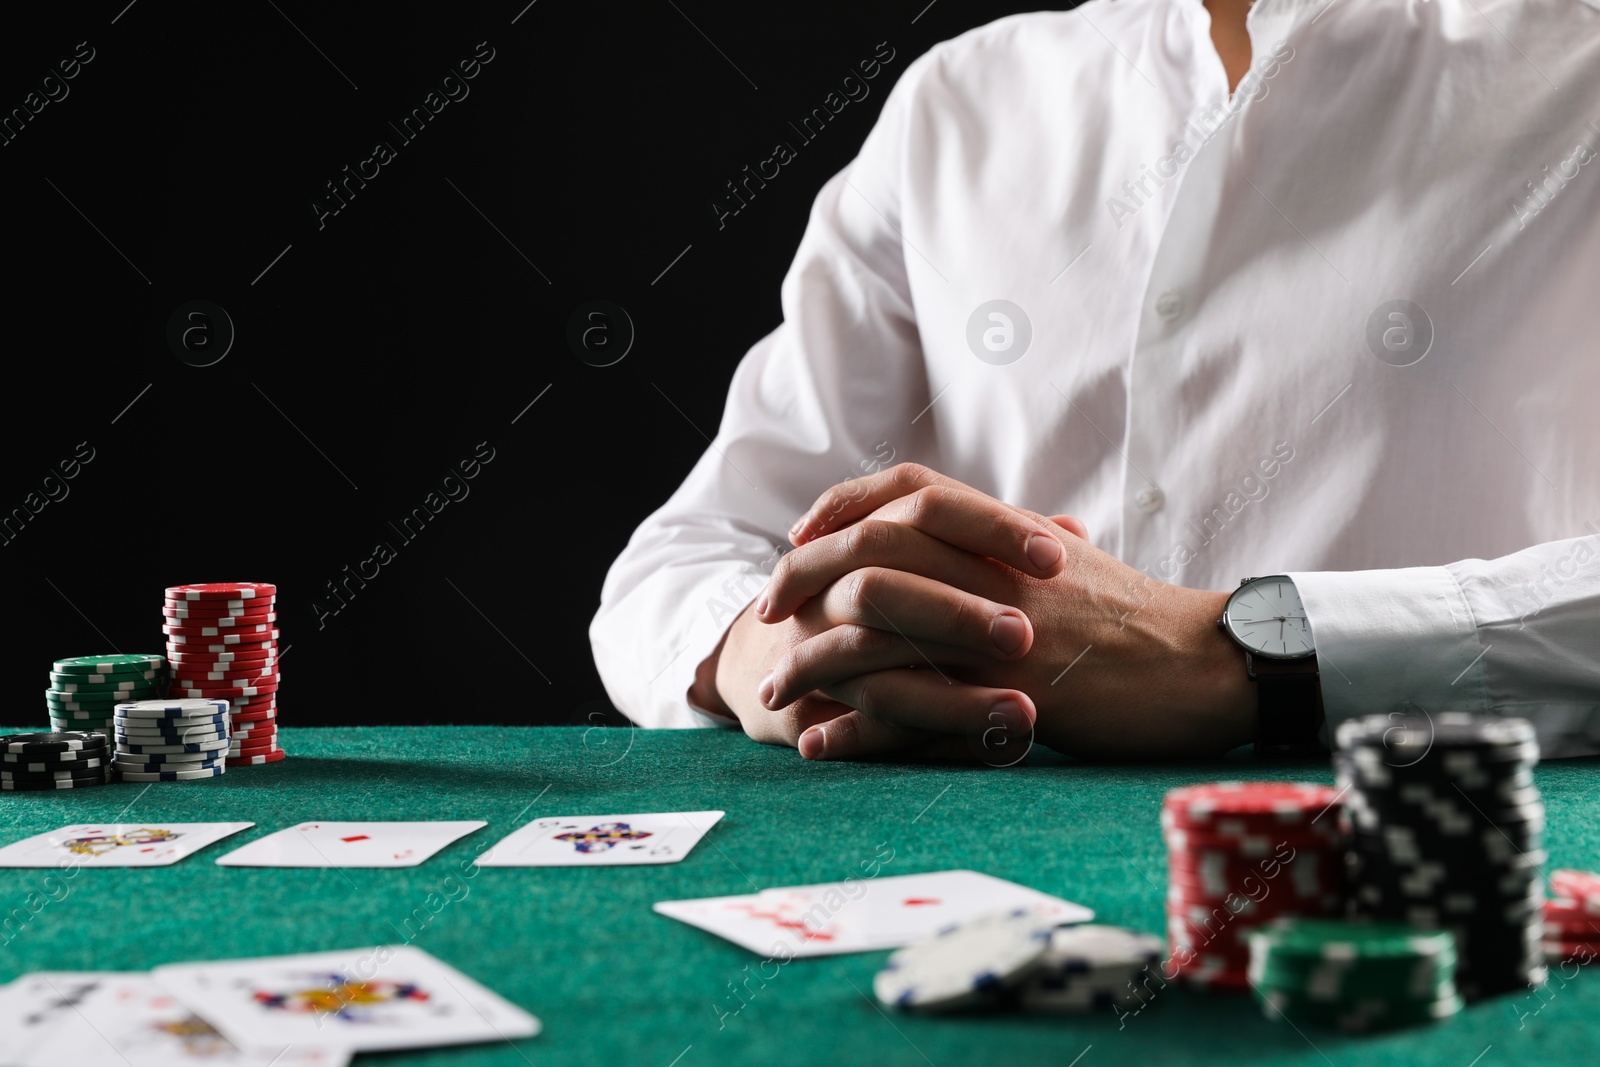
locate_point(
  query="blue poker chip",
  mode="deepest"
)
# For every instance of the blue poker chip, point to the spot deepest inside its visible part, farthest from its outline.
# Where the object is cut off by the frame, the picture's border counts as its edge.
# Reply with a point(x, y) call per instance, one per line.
point(138, 766)
point(968, 963)
point(170, 760)
point(171, 709)
point(171, 776)
point(174, 737)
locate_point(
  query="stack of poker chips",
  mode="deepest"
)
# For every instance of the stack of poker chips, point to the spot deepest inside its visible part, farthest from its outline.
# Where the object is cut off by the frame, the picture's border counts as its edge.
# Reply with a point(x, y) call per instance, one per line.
point(1447, 833)
point(222, 640)
point(71, 759)
point(1572, 919)
point(1095, 967)
point(1240, 854)
point(1355, 977)
point(171, 740)
point(84, 689)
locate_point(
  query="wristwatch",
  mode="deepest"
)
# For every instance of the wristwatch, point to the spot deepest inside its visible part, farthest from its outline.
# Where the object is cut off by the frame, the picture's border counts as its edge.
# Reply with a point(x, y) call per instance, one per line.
point(1264, 617)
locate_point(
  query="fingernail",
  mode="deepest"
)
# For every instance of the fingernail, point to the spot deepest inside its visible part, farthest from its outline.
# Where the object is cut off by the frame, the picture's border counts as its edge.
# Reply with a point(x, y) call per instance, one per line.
point(799, 524)
point(761, 605)
point(1011, 716)
point(1008, 632)
point(765, 689)
point(1043, 552)
point(814, 742)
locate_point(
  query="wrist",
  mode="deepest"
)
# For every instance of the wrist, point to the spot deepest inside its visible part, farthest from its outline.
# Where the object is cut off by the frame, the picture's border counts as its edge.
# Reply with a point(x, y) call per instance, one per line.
point(1230, 699)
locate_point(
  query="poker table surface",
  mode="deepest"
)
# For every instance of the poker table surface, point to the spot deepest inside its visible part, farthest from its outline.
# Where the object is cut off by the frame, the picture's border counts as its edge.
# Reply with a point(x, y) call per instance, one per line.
point(615, 983)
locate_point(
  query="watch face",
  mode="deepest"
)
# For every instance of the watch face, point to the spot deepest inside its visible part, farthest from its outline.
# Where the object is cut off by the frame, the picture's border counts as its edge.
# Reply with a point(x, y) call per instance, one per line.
point(1266, 617)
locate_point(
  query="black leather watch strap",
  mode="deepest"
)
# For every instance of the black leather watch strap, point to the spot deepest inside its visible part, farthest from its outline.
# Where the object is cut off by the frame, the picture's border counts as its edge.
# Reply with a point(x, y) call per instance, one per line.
point(1289, 696)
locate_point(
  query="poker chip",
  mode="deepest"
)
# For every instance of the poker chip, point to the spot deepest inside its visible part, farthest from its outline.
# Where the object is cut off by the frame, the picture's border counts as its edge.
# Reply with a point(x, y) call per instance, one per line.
point(254, 761)
point(108, 664)
point(170, 759)
point(171, 776)
point(171, 708)
point(1581, 887)
point(224, 617)
point(1240, 854)
point(222, 642)
point(222, 591)
point(1446, 834)
point(64, 783)
point(966, 964)
point(41, 744)
point(98, 770)
point(1092, 967)
point(84, 689)
point(1353, 976)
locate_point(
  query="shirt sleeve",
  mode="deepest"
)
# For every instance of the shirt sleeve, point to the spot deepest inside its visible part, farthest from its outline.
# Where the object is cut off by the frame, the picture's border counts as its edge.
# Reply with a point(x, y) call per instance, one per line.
point(809, 407)
point(1518, 635)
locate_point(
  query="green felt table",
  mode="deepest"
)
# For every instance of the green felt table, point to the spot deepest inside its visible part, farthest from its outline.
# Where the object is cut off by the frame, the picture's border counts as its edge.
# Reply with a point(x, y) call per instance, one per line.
point(615, 983)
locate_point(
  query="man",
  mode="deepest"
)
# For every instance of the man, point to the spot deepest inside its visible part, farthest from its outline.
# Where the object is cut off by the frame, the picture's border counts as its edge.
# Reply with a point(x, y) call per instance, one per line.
point(1299, 289)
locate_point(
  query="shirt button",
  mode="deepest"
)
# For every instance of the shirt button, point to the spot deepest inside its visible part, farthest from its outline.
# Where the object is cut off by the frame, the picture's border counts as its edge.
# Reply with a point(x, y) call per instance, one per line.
point(1169, 306)
point(1149, 499)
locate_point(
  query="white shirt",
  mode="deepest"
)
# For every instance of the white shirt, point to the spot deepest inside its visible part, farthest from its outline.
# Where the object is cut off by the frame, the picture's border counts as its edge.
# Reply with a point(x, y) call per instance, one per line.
point(1199, 273)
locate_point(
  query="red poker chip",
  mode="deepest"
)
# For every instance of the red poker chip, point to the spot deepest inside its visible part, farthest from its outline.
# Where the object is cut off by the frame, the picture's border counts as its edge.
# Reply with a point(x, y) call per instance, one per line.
point(245, 744)
point(216, 607)
point(205, 615)
point(256, 761)
point(1254, 806)
point(1248, 847)
point(252, 705)
point(215, 662)
point(253, 750)
point(227, 624)
point(1565, 918)
point(223, 643)
point(225, 673)
point(229, 694)
point(1563, 950)
point(222, 591)
point(264, 726)
point(204, 630)
point(245, 718)
point(1583, 887)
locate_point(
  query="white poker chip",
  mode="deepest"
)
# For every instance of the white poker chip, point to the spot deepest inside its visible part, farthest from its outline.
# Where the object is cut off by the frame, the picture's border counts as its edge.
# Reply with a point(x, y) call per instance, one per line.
point(1092, 967)
point(966, 963)
point(171, 709)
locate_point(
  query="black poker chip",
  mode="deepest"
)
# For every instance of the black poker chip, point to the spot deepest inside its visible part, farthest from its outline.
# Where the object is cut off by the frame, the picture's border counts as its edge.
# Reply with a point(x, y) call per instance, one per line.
point(1446, 832)
point(98, 770)
point(44, 744)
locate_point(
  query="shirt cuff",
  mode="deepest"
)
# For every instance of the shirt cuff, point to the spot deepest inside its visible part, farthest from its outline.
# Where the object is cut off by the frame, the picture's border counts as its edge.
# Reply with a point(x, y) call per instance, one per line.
point(1392, 640)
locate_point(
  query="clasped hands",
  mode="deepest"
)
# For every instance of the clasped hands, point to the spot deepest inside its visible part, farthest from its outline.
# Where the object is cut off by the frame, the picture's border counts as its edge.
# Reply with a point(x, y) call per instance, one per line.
point(917, 616)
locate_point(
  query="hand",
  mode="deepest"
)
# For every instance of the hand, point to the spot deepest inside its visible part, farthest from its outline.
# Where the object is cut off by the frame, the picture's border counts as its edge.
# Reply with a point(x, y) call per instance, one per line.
point(1115, 662)
point(859, 617)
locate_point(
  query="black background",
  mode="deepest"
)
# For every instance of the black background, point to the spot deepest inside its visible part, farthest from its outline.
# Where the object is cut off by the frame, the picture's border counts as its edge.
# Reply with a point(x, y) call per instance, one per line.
point(384, 346)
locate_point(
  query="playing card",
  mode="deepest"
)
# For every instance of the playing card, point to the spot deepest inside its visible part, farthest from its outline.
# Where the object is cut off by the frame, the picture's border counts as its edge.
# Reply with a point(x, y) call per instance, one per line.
point(94, 1019)
point(860, 915)
point(602, 840)
point(117, 844)
point(363, 1000)
point(349, 844)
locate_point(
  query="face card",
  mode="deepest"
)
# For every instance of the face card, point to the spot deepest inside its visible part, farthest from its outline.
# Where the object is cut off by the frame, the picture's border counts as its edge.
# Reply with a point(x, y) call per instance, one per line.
point(91, 1019)
point(117, 844)
point(860, 915)
point(350, 844)
point(363, 1000)
point(602, 840)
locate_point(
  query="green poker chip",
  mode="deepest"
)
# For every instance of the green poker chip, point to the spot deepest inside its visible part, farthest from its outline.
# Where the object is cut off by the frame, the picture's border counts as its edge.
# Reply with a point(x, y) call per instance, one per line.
point(1353, 976)
point(108, 664)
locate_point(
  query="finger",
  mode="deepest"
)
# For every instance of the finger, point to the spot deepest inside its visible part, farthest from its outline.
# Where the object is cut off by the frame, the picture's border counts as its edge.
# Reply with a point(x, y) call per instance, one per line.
point(842, 652)
point(922, 610)
point(928, 700)
point(1072, 524)
point(944, 508)
point(811, 568)
point(853, 736)
point(784, 725)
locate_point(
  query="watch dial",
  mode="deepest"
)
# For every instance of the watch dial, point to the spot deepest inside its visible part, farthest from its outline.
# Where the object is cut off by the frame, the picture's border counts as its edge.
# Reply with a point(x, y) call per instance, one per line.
point(1267, 617)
